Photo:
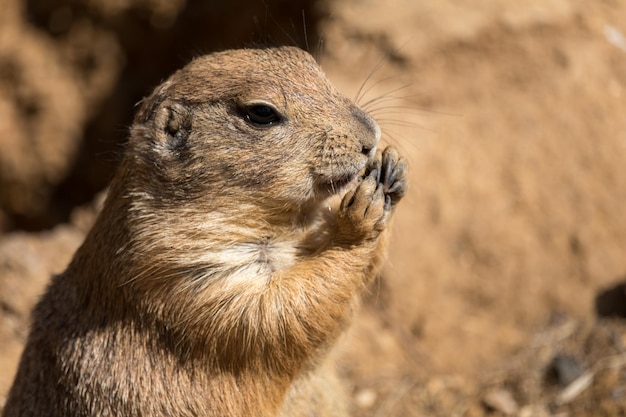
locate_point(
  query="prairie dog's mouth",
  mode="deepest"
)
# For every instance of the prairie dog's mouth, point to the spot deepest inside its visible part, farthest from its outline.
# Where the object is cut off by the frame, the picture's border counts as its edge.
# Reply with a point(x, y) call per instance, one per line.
point(338, 184)
point(340, 181)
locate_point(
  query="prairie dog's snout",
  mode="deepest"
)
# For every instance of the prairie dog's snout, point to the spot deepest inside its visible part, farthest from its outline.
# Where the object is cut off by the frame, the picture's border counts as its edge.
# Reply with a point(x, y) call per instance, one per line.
point(369, 142)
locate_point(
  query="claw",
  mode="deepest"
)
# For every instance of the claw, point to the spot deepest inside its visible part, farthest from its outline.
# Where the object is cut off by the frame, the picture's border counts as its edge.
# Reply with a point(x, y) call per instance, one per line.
point(390, 180)
point(388, 171)
point(375, 173)
point(387, 202)
point(373, 166)
point(395, 187)
point(348, 199)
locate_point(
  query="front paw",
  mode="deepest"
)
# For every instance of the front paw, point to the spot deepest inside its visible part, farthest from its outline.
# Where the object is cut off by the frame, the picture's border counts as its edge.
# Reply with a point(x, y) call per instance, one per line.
point(362, 211)
point(393, 176)
point(365, 210)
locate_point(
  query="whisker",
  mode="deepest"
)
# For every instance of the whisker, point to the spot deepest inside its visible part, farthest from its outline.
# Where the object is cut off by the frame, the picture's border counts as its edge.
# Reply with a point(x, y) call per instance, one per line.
point(284, 32)
point(416, 109)
point(359, 93)
point(320, 43)
point(400, 142)
point(404, 123)
point(306, 37)
point(388, 94)
point(399, 111)
point(371, 87)
point(332, 172)
point(391, 99)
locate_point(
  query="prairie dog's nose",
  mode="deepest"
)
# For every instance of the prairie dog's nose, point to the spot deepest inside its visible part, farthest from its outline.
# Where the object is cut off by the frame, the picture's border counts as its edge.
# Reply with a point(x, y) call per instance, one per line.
point(371, 131)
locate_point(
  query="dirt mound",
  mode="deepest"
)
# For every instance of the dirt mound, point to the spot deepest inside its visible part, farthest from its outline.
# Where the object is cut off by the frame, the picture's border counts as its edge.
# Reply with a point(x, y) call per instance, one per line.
point(505, 289)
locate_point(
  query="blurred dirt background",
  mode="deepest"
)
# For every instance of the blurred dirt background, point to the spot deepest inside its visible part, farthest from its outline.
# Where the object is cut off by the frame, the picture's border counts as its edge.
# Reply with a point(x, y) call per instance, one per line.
point(505, 292)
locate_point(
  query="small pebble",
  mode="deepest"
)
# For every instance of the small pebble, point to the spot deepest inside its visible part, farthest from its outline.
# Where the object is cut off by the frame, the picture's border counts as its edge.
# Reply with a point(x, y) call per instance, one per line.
point(501, 400)
point(564, 370)
point(535, 411)
point(366, 398)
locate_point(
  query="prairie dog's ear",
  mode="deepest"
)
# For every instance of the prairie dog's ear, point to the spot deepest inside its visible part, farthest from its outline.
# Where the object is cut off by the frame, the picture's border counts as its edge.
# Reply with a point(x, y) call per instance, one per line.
point(147, 105)
point(172, 125)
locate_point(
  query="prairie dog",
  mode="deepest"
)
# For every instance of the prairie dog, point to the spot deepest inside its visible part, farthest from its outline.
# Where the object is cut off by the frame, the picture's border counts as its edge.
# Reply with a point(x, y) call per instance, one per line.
point(245, 219)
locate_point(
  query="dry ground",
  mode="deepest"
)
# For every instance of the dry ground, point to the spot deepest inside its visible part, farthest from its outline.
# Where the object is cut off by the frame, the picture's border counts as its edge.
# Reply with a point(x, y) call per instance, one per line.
point(510, 250)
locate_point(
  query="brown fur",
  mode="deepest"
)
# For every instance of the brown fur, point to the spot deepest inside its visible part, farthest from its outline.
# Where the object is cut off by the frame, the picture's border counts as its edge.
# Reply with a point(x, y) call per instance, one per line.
point(222, 267)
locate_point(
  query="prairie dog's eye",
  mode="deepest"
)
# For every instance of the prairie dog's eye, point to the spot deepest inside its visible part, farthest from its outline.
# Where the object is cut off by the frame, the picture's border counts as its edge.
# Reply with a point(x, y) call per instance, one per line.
point(261, 115)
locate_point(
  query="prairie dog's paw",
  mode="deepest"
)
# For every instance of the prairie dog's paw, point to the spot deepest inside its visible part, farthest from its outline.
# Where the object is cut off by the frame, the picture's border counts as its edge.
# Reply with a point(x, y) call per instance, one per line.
point(393, 176)
point(362, 211)
point(366, 209)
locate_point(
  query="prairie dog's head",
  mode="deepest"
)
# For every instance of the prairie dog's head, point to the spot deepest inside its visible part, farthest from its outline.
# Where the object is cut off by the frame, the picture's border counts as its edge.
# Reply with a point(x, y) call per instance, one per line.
point(254, 124)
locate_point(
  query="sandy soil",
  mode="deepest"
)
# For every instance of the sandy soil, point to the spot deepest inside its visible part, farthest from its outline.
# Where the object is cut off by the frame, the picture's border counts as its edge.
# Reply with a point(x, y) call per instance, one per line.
point(509, 254)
